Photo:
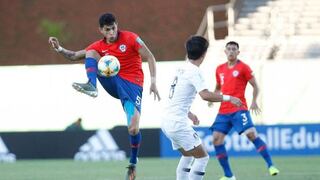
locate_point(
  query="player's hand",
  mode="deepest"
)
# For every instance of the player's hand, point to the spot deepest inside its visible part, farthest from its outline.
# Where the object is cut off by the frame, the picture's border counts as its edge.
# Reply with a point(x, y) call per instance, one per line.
point(154, 90)
point(254, 108)
point(210, 104)
point(54, 42)
point(236, 101)
point(194, 119)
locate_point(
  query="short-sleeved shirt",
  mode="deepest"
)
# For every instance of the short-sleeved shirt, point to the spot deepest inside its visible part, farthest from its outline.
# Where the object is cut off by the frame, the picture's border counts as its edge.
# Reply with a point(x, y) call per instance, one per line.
point(233, 82)
point(187, 82)
point(126, 49)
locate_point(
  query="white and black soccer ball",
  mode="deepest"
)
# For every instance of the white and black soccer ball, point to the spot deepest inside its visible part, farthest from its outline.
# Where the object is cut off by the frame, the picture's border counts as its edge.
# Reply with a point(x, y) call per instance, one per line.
point(108, 66)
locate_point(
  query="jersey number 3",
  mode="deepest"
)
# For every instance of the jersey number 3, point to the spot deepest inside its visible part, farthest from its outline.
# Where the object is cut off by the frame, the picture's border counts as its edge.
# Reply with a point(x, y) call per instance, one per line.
point(244, 119)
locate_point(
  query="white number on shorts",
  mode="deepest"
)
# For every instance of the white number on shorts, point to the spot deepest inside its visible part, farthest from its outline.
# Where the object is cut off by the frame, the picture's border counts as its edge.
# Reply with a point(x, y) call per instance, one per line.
point(244, 119)
point(138, 100)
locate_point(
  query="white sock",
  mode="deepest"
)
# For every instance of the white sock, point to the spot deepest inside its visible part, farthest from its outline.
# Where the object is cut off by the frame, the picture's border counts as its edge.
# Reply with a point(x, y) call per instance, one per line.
point(198, 168)
point(183, 168)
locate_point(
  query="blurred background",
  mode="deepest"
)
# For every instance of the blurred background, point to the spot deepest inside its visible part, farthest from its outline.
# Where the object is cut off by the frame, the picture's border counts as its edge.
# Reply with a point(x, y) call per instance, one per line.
point(279, 39)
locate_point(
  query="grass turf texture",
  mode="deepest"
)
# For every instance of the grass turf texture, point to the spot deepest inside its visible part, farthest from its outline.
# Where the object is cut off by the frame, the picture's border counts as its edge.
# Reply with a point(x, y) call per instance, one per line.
point(246, 168)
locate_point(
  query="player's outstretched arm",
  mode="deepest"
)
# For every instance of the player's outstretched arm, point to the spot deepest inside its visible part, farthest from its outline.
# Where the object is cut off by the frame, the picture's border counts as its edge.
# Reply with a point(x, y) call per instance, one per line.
point(216, 91)
point(71, 55)
point(214, 97)
point(146, 54)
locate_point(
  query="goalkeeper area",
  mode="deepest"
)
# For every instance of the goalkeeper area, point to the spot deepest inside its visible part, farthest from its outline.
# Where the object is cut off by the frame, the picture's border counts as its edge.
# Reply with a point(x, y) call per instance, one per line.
point(248, 168)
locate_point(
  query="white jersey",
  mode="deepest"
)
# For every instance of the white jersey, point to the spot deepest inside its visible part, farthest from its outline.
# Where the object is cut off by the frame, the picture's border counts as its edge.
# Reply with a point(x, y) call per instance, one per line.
point(187, 81)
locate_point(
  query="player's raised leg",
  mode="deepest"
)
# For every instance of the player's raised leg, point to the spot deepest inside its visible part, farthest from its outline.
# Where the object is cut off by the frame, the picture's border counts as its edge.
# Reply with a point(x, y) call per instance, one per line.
point(91, 64)
point(133, 117)
point(262, 149)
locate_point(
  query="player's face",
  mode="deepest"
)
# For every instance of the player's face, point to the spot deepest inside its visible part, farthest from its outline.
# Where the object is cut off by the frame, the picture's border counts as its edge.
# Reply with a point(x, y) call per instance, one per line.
point(110, 32)
point(232, 52)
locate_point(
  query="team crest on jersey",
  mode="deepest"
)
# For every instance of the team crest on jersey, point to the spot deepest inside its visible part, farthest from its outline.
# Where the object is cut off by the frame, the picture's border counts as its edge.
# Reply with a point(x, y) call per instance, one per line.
point(235, 73)
point(122, 48)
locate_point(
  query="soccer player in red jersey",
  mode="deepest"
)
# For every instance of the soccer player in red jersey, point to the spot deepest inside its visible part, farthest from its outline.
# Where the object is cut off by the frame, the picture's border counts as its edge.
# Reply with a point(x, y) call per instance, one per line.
point(232, 78)
point(127, 84)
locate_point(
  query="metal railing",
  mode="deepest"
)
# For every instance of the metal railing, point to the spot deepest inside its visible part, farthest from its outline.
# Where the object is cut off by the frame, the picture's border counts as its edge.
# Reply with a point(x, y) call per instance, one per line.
point(208, 24)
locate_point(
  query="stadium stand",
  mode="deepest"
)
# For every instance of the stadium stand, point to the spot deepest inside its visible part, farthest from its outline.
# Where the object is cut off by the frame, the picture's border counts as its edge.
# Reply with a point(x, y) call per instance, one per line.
point(272, 34)
point(267, 29)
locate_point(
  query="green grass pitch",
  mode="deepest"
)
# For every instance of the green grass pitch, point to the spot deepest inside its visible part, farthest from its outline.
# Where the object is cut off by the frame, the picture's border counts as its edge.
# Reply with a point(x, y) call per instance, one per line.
point(245, 168)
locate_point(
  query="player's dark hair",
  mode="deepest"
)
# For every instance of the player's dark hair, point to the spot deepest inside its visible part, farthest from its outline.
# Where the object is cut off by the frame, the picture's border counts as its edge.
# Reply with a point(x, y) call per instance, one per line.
point(107, 19)
point(232, 43)
point(196, 46)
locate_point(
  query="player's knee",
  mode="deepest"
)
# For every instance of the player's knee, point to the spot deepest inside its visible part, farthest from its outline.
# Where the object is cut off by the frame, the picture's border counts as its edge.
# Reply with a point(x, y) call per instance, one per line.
point(199, 167)
point(251, 136)
point(217, 140)
point(133, 130)
point(205, 159)
point(251, 133)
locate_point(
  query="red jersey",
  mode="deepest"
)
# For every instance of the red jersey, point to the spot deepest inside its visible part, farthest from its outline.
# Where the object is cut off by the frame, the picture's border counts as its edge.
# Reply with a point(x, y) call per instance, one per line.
point(233, 82)
point(126, 49)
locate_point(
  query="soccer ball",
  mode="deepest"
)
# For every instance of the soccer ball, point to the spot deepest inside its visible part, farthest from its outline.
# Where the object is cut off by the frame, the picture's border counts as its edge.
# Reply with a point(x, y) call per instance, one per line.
point(108, 66)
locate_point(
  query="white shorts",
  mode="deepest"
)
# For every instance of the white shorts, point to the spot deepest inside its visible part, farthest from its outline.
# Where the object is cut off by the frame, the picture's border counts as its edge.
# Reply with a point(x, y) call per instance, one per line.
point(183, 137)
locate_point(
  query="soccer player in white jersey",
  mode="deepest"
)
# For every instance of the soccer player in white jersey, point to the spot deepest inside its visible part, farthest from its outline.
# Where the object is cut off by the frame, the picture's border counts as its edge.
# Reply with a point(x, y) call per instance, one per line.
point(176, 125)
